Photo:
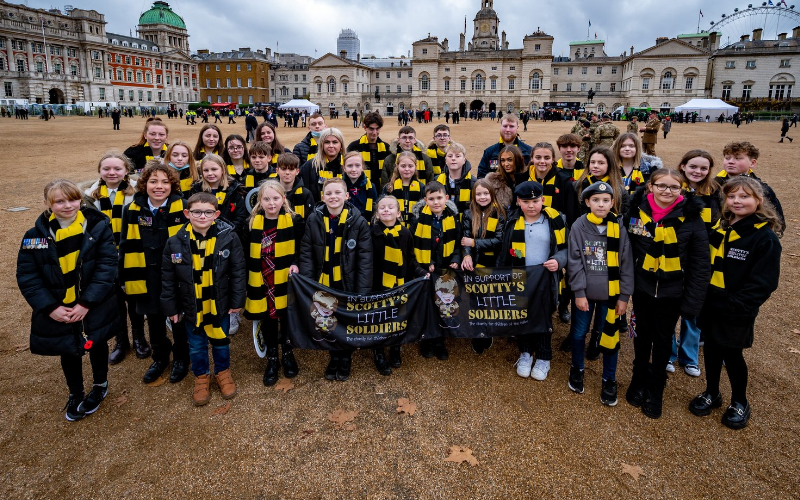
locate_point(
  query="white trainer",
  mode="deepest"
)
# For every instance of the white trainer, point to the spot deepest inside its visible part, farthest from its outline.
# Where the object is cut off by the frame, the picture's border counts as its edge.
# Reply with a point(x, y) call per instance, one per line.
point(670, 368)
point(692, 370)
point(540, 369)
point(234, 324)
point(524, 365)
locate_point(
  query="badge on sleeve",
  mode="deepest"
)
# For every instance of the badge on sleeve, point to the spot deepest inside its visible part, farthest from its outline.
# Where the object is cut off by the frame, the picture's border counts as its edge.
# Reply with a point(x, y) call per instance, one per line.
point(351, 244)
point(225, 253)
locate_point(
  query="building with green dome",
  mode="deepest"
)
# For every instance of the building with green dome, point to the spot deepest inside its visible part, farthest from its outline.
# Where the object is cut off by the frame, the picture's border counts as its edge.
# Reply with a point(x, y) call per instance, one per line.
point(162, 26)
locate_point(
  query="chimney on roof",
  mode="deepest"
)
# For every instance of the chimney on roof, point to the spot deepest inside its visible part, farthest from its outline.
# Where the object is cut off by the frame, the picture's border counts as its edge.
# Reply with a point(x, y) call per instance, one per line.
point(796, 32)
point(244, 49)
point(446, 45)
point(782, 36)
point(744, 38)
point(661, 40)
point(504, 38)
point(462, 38)
point(268, 52)
point(757, 34)
point(358, 57)
point(343, 54)
point(202, 51)
point(631, 49)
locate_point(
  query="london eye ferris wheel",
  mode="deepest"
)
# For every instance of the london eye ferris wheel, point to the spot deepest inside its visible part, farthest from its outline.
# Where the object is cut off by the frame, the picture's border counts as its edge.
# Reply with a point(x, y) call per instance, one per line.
point(773, 17)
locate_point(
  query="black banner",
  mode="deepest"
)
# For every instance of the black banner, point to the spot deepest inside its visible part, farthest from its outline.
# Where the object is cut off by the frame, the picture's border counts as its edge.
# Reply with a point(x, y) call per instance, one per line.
point(322, 318)
point(494, 302)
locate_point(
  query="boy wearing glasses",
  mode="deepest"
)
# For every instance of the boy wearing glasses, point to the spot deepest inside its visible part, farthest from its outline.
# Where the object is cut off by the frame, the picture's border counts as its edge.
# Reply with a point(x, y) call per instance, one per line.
point(373, 150)
point(204, 256)
point(441, 139)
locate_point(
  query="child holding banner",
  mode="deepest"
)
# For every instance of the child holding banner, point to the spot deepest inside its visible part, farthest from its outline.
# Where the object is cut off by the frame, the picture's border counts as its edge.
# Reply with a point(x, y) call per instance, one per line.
point(535, 235)
point(394, 264)
point(337, 252)
point(600, 269)
point(482, 229)
point(437, 238)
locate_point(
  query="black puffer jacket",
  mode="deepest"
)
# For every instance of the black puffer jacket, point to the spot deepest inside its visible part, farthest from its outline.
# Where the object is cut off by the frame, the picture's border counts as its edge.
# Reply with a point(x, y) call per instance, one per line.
point(41, 282)
point(689, 285)
point(232, 210)
point(482, 245)
point(177, 278)
point(356, 259)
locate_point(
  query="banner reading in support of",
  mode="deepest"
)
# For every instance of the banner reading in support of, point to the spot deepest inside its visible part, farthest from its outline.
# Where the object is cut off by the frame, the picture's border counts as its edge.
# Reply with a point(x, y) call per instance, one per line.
point(494, 302)
point(322, 318)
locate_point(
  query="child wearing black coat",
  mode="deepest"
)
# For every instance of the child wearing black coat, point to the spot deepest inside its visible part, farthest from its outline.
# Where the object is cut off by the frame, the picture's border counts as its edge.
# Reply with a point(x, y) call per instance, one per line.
point(745, 261)
point(66, 269)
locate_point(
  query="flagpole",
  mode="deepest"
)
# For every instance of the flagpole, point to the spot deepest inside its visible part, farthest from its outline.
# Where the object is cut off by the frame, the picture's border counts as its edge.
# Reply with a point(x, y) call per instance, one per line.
point(698, 22)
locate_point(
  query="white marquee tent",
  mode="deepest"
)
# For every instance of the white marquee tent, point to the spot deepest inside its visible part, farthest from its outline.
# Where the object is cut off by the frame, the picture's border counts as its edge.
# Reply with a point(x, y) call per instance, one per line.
point(711, 107)
point(303, 104)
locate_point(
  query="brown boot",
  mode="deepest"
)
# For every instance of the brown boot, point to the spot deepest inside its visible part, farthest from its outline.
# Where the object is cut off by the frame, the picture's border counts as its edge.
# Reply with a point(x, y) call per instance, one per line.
point(201, 393)
point(226, 385)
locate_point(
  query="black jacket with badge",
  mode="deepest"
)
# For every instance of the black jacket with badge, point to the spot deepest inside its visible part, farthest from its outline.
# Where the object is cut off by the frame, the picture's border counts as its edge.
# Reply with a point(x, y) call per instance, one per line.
point(751, 273)
point(490, 243)
point(356, 258)
point(177, 274)
point(41, 282)
point(691, 283)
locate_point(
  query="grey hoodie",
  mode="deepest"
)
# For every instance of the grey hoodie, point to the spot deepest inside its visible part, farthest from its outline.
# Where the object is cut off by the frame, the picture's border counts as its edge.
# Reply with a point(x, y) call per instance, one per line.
point(587, 266)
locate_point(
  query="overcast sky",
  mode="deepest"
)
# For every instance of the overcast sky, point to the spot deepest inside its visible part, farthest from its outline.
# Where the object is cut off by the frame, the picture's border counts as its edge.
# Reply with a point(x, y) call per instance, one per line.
point(303, 26)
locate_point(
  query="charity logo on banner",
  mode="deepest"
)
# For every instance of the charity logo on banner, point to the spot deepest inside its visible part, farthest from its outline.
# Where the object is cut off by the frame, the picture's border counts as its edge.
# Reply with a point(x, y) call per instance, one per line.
point(322, 318)
point(494, 302)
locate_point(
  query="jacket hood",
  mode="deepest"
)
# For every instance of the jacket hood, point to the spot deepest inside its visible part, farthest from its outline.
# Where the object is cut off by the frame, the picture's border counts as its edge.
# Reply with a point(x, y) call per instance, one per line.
point(419, 206)
point(650, 163)
point(395, 144)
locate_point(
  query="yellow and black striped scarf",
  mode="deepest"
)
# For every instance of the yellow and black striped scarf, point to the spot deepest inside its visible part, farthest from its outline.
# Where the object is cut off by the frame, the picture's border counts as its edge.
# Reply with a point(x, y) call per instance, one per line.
point(548, 184)
point(252, 177)
point(113, 209)
point(68, 248)
point(414, 193)
point(205, 297)
point(149, 156)
point(312, 148)
point(297, 194)
point(723, 175)
point(437, 159)
point(332, 266)
point(373, 163)
point(273, 165)
point(557, 229)
point(636, 179)
point(284, 254)
point(720, 239)
point(609, 339)
point(185, 179)
point(423, 237)
point(489, 257)
point(232, 170)
point(663, 255)
point(331, 168)
point(392, 265)
point(134, 265)
point(420, 162)
point(461, 194)
point(576, 172)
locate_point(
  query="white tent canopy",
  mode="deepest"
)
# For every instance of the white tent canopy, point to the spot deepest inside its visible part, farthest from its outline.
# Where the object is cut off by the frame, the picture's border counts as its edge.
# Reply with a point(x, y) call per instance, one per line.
point(712, 107)
point(303, 104)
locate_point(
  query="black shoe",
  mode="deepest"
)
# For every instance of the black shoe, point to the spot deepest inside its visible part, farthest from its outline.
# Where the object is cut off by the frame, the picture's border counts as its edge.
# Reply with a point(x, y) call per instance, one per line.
point(333, 366)
point(92, 401)
point(271, 373)
point(140, 345)
point(608, 394)
point(154, 372)
point(575, 382)
point(481, 345)
point(180, 368)
point(653, 403)
point(343, 371)
point(564, 316)
point(566, 344)
point(736, 416)
point(635, 395)
point(380, 362)
point(702, 405)
point(120, 350)
point(395, 361)
point(440, 350)
point(73, 408)
point(290, 368)
point(426, 348)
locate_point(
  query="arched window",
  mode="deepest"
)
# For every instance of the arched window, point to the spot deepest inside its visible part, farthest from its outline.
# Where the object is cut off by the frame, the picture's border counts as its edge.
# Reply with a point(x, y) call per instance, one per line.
point(424, 83)
point(601, 108)
point(478, 83)
point(536, 81)
point(332, 85)
point(666, 80)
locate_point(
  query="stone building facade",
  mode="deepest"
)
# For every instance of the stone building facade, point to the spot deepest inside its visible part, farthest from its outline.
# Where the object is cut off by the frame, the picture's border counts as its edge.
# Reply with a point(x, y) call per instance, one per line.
point(289, 78)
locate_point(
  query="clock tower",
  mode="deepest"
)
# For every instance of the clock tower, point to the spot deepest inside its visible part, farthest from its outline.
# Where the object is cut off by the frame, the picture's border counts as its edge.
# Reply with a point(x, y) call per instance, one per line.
point(486, 36)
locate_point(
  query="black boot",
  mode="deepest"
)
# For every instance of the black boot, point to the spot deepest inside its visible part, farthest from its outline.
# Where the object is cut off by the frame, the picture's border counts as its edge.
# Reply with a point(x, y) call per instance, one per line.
point(343, 371)
point(140, 344)
point(394, 356)
point(635, 392)
point(290, 368)
point(333, 365)
point(121, 346)
point(155, 371)
point(563, 311)
point(273, 367)
point(380, 362)
point(180, 368)
point(653, 399)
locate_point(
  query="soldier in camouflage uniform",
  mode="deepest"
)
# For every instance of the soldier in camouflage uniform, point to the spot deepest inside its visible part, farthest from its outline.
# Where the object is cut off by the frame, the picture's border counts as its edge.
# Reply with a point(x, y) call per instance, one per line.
point(586, 140)
point(633, 125)
point(606, 133)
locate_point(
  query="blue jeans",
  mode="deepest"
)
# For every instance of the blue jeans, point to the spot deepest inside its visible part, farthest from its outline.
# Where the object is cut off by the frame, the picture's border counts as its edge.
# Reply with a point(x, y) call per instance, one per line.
point(198, 349)
point(581, 321)
point(689, 343)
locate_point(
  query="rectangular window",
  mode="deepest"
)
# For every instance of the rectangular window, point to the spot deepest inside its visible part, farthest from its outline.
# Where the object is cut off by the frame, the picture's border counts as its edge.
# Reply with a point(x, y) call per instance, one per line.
point(249, 82)
point(555, 87)
point(537, 47)
point(512, 68)
point(227, 68)
point(169, 80)
point(424, 51)
point(463, 85)
point(785, 63)
point(319, 88)
point(597, 87)
point(377, 75)
point(130, 95)
point(230, 99)
point(39, 67)
point(249, 98)
point(141, 95)
point(9, 89)
point(463, 68)
point(57, 68)
point(399, 89)
point(239, 68)
point(599, 70)
point(613, 70)
point(102, 94)
point(186, 82)
point(208, 82)
point(746, 92)
point(239, 99)
point(613, 87)
point(569, 87)
point(121, 95)
point(750, 65)
point(555, 71)
point(160, 95)
point(726, 92)
point(583, 87)
point(584, 70)
point(399, 74)
point(569, 71)
point(409, 72)
point(645, 83)
point(149, 95)
point(493, 84)
point(138, 77)
point(730, 64)
point(228, 82)
point(510, 84)
point(689, 83)
point(158, 80)
point(239, 82)
point(388, 88)
point(388, 75)
point(344, 88)
point(216, 68)
point(250, 68)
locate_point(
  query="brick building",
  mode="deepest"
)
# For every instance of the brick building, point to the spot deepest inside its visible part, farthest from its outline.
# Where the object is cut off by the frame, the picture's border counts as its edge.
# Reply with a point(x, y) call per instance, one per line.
point(239, 76)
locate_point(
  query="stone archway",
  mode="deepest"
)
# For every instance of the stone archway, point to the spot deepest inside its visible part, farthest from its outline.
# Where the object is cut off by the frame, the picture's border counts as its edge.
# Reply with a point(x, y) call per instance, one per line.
point(57, 96)
point(492, 107)
point(476, 105)
point(462, 109)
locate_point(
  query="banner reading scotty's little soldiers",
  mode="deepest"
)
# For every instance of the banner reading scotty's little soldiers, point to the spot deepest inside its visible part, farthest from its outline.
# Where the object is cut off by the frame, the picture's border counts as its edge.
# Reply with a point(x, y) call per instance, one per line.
point(494, 302)
point(322, 318)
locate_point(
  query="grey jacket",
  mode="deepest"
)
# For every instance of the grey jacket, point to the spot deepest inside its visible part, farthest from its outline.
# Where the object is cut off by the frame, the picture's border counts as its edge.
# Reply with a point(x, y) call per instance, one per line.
point(586, 264)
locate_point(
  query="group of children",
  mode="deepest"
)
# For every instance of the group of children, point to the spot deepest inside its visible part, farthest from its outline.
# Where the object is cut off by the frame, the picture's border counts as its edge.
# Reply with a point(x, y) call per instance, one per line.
point(205, 233)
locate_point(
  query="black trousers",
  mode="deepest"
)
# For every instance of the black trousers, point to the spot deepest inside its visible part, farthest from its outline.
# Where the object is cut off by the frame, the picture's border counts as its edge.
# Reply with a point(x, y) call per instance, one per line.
point(735, 365)
point(127, 309)
point(273, 333)
point(160, 343)
point(73, 367)
point(537, 344)
point(655, 326)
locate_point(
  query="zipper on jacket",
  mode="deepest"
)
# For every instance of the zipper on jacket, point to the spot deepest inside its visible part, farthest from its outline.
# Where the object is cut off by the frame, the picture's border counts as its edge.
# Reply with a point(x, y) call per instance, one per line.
point(656, 295)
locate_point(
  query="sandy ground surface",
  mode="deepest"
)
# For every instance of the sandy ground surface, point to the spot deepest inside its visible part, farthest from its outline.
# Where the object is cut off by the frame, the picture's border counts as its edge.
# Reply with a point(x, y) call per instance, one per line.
point(530, 438)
